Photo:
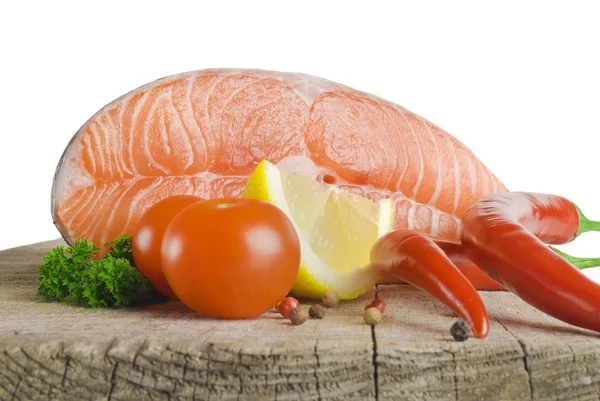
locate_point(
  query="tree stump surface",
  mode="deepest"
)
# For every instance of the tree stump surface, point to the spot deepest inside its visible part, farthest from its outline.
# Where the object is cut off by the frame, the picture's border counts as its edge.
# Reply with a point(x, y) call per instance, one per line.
point(53, 351)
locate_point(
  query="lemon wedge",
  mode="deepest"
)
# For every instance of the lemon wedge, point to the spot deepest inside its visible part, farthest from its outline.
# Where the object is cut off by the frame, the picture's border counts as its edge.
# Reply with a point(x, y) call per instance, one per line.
point(336, 229)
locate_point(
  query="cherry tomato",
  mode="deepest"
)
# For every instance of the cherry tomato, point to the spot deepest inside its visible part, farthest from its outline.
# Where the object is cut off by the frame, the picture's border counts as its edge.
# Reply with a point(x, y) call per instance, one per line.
point(377, 303)
point(148, 235)
point(231, 258)
point(286, 306)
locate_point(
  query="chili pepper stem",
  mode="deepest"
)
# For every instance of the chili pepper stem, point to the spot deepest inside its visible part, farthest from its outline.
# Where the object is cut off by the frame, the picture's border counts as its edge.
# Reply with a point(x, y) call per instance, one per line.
point(585, 224)
point(580, 263)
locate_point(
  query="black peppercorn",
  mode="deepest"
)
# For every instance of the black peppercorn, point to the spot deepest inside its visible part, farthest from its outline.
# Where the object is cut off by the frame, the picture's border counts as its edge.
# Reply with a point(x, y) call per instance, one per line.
point(460, 330)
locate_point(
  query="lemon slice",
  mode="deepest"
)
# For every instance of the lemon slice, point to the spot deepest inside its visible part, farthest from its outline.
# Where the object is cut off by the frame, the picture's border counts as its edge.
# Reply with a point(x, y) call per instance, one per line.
point(336, 228)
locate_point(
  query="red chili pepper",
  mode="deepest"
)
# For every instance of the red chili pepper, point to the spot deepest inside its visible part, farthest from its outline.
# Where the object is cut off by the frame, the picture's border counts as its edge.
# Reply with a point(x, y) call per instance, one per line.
point(456, 254)
point(415, 258)
point(504, 235)
point(477, 277)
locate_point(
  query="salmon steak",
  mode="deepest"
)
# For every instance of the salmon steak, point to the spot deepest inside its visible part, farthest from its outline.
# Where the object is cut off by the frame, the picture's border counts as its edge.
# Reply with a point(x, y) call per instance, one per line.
point(204, 132)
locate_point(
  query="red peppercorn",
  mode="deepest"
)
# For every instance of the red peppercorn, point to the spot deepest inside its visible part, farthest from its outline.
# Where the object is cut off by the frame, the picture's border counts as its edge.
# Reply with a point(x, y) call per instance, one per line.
point(286, 306)
point(377, 303)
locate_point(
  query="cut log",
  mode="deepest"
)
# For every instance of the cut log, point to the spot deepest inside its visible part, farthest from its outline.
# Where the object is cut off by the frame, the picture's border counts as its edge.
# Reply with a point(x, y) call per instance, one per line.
point(168, 352)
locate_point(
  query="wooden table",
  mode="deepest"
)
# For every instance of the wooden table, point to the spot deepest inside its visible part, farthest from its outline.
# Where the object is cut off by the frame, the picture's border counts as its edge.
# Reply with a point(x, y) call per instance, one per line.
point(167, 352)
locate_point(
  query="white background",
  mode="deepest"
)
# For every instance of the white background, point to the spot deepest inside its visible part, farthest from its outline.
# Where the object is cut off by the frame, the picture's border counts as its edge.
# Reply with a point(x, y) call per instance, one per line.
point(518, 82)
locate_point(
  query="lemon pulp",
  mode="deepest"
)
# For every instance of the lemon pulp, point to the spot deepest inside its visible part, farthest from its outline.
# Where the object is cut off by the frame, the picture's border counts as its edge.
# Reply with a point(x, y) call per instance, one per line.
point(336, 228)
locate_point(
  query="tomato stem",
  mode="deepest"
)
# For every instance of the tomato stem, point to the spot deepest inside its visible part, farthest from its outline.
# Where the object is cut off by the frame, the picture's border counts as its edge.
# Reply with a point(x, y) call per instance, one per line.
point(580, 263)
point(586, 224)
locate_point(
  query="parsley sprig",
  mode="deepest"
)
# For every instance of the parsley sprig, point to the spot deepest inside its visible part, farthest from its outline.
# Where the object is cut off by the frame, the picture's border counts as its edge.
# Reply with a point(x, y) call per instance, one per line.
point(76, 275)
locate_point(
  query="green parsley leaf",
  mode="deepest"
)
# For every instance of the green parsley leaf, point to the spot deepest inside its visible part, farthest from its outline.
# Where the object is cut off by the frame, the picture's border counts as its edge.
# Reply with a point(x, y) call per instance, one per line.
point(75, 274)
point(121, 247)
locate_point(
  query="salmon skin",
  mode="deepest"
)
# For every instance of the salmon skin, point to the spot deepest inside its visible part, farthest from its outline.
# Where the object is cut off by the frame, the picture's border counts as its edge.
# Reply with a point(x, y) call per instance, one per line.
point(203, 133)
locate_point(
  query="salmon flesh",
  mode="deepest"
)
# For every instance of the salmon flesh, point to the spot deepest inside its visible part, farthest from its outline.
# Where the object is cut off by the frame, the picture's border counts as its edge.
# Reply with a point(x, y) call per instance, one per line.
point(203, 133)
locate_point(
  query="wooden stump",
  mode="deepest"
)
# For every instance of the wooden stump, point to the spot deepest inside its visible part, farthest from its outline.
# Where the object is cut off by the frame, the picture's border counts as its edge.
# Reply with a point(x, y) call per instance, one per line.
point(167, 352)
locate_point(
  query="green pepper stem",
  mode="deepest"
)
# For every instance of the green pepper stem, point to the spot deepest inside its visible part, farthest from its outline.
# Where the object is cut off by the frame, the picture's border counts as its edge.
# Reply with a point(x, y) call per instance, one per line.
point(580, 263)
point(586, 224)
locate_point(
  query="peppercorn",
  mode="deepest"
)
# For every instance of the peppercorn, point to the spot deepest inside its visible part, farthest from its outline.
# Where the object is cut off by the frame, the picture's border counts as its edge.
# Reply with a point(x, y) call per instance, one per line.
point(372, 316)
point(331, 299)
point(298, 316)
point(317, 311)
point(460, 330)
point(376, 303)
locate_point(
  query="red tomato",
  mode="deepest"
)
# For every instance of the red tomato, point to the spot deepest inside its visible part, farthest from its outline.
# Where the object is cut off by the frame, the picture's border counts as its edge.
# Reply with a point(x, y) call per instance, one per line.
point(231, 258)
point(148, 235)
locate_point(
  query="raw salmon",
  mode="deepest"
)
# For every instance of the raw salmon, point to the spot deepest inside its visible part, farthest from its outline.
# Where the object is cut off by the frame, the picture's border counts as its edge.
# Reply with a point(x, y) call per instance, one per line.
point(203, 133)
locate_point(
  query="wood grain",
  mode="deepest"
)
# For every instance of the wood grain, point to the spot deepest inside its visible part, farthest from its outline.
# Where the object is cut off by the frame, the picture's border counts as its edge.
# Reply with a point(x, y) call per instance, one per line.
point(167, 352)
